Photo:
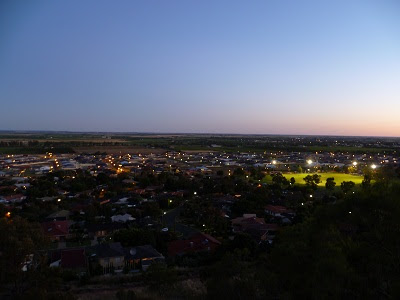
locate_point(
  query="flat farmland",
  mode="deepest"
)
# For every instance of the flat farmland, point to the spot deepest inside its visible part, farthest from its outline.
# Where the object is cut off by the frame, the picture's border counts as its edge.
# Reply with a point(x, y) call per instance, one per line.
point(118, 149)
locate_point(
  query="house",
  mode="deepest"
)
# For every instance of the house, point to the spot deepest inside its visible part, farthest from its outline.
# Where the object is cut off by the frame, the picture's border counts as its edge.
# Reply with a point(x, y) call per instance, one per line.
point(19, 179)
point(17, 198)
point(104, 229)
point(79, 208)
point(139, 191)
point(56, 230)
point(22, 185)
point(47, 199)
point(111, 257)
point(241, 223)
point(199, 242)
point(263, 233)
point(74, 259)
point(61, 215)
point(147, 222)
point(122, 201)
point(255, 227)
point(153, 188)
point(142, 256)
point(122, 218)
point(278, 211)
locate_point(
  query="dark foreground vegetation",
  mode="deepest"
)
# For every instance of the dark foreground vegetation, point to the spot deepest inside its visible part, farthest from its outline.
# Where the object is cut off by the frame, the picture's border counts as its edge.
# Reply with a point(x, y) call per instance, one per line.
point(347, 249)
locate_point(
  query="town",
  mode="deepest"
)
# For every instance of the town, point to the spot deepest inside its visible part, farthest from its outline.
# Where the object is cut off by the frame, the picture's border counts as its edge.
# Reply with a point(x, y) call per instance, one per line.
point(159, 216)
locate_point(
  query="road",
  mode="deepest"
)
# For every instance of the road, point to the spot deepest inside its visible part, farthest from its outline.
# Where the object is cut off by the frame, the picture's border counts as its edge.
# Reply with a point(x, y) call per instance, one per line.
point(172, 217)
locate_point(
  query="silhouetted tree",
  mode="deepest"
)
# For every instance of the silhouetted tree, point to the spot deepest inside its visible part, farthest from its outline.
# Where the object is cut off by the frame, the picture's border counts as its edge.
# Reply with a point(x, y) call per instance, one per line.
point(347, 186)
point(330, 183)
point(312, 181)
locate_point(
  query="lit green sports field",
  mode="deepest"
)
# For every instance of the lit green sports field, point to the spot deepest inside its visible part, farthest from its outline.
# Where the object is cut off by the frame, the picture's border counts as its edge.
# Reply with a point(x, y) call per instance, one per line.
point(339, 178)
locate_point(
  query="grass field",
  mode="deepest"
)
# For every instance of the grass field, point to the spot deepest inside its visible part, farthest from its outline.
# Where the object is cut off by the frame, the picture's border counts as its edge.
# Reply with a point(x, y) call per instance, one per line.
point(339, 178)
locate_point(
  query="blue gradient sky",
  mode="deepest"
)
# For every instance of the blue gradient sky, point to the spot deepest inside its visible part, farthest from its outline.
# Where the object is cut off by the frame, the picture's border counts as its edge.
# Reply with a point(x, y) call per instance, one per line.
point(289, 67)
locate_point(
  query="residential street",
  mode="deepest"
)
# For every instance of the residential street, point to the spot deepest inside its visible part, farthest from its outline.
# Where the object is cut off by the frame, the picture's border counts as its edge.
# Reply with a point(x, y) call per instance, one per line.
point(172, 217)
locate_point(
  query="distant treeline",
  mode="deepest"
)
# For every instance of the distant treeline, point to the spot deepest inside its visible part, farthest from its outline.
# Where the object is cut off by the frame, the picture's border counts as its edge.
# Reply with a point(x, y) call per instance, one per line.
point(225, 143)
point(35, 150)
point(232, 144)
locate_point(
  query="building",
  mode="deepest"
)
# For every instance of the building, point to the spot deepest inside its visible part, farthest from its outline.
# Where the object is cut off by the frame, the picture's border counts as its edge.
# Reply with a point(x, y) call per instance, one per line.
point(199, 242)
point(56, 230)
point(142, 257)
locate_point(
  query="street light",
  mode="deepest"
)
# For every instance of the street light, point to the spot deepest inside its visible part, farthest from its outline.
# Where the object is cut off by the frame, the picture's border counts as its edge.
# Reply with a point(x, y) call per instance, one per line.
point(309, 161)
point(355, 163)
point(373, 166)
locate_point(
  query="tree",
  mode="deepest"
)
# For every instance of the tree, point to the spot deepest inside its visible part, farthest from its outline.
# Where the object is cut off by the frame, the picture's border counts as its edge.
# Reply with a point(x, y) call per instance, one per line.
point(280, 180)
point(366, 183)
point(135, 237)
point(292, 181)
point(385, 174)
point(330, 183)
point(351, 256)
point(312, 181)
point(102, 178)
point(256, 173)
point(160, 277)
point(20, 242)
point(152, 209)
point(238, 172)
point(125, 295)
point(230, 279)
point(243, 241)
point(347, 186)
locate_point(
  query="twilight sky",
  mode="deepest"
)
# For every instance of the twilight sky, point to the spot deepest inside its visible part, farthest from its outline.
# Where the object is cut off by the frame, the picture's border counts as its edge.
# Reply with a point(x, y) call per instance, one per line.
point(267, 67)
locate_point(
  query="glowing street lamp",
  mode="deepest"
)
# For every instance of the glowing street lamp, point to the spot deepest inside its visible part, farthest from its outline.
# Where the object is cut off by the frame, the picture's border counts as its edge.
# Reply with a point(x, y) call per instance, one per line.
point(373, 166)
point(355, 163)
point(274, 162)
point(309, 161)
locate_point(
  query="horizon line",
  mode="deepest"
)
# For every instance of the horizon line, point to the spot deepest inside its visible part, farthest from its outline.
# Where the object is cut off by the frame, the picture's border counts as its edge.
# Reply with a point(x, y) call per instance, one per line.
point(191, 133)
